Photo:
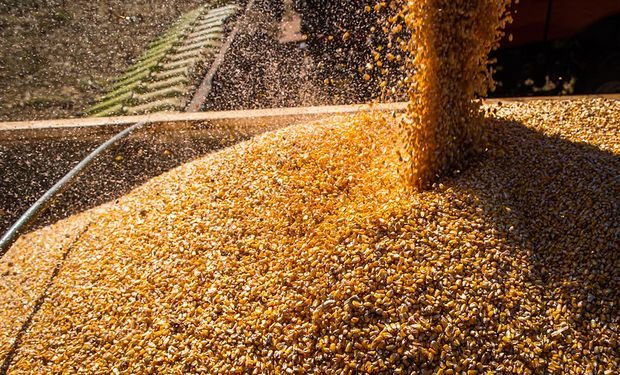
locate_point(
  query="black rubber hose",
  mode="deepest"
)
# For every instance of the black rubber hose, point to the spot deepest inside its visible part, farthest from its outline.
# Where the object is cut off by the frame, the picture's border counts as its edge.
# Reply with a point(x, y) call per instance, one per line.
point(47, 199)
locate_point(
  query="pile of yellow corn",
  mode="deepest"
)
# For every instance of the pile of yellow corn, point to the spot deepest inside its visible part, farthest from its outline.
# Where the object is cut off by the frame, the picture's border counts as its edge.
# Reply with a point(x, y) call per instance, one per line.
point(299, 251)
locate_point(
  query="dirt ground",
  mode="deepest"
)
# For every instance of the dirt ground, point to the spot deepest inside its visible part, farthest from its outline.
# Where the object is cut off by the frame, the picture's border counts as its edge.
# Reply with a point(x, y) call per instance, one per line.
point(271, 65)
point(56, 56)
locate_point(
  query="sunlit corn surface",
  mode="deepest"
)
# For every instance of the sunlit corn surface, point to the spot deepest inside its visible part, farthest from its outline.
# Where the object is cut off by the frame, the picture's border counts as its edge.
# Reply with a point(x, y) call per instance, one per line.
point(299, 252)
